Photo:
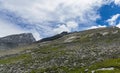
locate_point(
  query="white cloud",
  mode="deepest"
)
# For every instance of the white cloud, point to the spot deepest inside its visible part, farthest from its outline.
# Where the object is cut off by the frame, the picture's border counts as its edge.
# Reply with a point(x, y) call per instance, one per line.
point(98, 26)
point(6, 28)
point(41, 12)
point(36, 34)
point(54, 10)
point(66, 27)
point(113, 19)
point(117, 2)
point(118, 25)
point(71, 24)
point(61, 28)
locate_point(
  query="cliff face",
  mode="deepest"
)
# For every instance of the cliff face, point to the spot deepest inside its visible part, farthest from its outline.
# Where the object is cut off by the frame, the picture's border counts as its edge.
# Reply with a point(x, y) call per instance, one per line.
point(13, 41)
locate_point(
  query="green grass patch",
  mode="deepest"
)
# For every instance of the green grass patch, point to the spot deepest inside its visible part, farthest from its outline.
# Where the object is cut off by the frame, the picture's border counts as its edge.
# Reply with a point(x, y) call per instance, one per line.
point(108, 71)
point(115, 63)
point(14, 59)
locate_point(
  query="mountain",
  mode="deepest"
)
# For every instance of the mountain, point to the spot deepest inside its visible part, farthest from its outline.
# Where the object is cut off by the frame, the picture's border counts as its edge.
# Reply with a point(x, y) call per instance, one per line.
point(53, 37)
point(89, 51)
point(14, 41)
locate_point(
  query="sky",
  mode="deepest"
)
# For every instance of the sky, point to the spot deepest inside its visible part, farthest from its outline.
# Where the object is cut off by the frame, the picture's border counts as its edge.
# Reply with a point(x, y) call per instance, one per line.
point(45, 18)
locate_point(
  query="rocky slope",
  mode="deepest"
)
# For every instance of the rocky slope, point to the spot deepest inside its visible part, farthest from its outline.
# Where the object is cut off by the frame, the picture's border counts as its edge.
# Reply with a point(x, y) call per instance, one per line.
point(13, 41)
point(53, 37)
point(90, 51)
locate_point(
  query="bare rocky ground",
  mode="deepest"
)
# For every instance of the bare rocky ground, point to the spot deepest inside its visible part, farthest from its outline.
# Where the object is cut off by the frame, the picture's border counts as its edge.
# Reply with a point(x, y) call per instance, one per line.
point(90, 51)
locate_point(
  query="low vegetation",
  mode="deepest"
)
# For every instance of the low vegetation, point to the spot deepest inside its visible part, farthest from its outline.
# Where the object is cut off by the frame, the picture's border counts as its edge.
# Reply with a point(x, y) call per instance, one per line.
point(90, 51)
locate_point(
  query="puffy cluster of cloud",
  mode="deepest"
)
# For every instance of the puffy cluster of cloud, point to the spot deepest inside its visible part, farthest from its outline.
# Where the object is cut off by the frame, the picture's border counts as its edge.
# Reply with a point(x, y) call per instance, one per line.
point(117, 2)
point(98, 26)
point(53, 10)
point(113, 20)
point(66, 27)
point(118, 25)
point(43, 14)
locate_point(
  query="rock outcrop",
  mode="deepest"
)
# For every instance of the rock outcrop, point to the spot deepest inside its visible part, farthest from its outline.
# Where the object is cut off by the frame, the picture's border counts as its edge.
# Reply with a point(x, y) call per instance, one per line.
point(13, 41)
point(54, 37)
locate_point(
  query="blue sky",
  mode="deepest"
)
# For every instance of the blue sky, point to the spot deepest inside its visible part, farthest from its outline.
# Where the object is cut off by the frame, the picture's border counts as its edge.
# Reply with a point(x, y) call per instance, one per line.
point(44, 18)
point(107, 11)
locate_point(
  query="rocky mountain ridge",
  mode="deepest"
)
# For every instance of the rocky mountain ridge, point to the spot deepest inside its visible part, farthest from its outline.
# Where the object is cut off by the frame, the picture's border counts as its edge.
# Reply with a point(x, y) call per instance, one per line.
point(89, 51)
point(13, 41)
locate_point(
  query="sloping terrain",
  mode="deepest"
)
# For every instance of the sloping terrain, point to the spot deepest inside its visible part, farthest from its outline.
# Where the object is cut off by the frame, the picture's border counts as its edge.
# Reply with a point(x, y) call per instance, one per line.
point(90, 51)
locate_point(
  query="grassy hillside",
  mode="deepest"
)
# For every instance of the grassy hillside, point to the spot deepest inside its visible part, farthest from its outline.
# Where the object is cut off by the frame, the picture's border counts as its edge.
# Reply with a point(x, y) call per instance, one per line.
point(91, 51)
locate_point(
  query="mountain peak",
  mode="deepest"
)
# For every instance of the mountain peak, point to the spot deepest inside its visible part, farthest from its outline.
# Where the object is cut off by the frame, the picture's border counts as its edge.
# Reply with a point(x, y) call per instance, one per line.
point(16, 40)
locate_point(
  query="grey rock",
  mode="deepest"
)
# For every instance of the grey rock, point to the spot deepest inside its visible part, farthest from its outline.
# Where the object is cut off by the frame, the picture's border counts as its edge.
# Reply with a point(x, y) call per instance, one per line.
point(14, 41)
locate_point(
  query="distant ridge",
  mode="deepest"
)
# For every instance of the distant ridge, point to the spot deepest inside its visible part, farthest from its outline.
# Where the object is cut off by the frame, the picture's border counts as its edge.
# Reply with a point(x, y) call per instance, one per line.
point(16, 40)
point(53, 37)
